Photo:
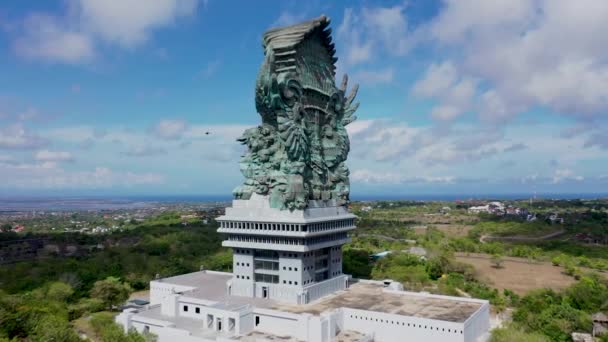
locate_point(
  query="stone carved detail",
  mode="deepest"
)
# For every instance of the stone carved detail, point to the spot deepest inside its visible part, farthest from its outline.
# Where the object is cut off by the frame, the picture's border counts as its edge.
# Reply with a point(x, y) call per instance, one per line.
point(299, 151)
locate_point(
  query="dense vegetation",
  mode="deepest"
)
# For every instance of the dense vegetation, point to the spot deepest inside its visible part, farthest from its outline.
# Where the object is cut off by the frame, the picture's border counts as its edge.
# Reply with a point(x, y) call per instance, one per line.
point(41, 299)
point(46, 299)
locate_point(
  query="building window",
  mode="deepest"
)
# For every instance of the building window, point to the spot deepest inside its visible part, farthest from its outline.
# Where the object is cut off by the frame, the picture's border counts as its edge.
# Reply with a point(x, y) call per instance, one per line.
point(185, 308)
point(197, 310)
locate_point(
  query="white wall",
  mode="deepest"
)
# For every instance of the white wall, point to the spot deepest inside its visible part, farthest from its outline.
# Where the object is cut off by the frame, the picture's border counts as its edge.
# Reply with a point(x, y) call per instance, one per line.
point(158, 290)
point(388, 327)
point(478, 324)
point(279, 323)
point(294, 263)
point(318, 290)
point(245, 265)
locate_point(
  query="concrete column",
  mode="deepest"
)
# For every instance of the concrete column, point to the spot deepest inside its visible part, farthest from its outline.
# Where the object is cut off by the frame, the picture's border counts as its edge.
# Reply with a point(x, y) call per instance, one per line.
point(169, 305)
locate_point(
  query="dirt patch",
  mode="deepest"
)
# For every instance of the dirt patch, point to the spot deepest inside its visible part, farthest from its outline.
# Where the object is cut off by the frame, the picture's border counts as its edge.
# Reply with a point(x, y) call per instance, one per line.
point(145, 295)
point(518, 274)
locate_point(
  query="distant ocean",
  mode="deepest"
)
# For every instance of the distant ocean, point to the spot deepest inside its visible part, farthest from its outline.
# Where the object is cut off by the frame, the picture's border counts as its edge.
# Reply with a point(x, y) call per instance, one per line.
point(106, 202)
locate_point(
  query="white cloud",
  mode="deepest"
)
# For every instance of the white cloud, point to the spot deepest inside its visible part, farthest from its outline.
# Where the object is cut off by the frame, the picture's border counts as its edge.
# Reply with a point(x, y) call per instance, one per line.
point(46, 37)
point(599, 139)
point(453, 91)
point(369, 77)
point(437, 79)
point(369, 176)
point(562, 175)
point(287, 18)
point(73, 37)
point(170, 129)
point(53, 156)
point(5, 158)
point(373, 29)
point(47, 175)
point(516, 147)
point(16, 136)
point(130, 22)
point(145, 151)
point(528, 53)
point(445, 112)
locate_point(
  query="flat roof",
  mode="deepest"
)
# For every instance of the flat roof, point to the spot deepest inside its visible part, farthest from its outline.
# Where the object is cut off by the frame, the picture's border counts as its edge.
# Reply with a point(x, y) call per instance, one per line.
point(372, 297)
point(256, 336)
point(198, 279)
point(349, 336)
point(194, 326)
point(360, 295)
point(211, 286)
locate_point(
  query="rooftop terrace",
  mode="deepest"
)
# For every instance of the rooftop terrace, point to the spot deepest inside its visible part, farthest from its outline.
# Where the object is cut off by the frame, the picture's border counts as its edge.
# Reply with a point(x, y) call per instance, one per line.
point(360, 295)
point(372, 297)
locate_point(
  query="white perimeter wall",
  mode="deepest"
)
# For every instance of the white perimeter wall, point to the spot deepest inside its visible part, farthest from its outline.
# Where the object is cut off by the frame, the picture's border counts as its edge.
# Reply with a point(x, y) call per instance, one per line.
point(478, 324)
point(326, 287)
point(388, 327)
point(281, 323)
point(158, 290)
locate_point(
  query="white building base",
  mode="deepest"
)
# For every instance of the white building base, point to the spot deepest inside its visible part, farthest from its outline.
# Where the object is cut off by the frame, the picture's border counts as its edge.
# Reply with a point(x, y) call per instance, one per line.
point(366, 311)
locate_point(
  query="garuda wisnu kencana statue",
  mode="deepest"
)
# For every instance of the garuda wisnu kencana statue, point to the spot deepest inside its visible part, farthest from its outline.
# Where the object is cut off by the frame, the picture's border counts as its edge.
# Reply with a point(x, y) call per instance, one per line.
point(299, 151)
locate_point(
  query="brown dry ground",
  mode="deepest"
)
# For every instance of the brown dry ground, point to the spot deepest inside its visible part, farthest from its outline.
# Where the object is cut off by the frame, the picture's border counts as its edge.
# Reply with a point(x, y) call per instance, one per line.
point(517, 274)
point(145, 294)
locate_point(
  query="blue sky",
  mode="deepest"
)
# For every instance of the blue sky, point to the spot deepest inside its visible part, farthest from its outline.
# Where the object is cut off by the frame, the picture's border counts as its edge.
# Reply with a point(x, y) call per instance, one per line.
point(457, 96)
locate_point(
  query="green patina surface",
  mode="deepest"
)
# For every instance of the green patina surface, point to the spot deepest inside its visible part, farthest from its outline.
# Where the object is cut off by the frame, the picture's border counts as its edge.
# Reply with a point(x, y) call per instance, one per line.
point(299, 151)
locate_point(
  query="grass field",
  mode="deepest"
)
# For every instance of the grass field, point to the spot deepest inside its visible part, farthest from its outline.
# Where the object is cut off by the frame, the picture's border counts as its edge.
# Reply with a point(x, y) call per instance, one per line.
point(450, 230)
point(517, 274)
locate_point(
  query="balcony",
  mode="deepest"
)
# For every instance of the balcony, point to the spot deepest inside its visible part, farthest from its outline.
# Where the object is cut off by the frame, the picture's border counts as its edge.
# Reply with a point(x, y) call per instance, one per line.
point(284, 247)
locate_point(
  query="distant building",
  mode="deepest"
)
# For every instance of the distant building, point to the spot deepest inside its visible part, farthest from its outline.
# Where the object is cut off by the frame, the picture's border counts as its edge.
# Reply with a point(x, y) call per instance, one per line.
point(479, 209)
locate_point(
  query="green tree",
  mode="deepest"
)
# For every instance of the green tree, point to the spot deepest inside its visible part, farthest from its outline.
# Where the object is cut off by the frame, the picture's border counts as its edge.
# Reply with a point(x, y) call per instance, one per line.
point(104, 326)
point(53, 328)
point(511, 334)
point(558, 322)
point(59, 291)
point(85, 306)
point(588, 294)
point(497, 261)
point(356, 263)
point(6, 227)
point(111, 291)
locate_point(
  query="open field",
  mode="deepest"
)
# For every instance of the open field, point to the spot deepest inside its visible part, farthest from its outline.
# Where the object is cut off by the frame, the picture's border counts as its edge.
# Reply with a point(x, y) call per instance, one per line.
point(450, 230)
point(517, 274)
